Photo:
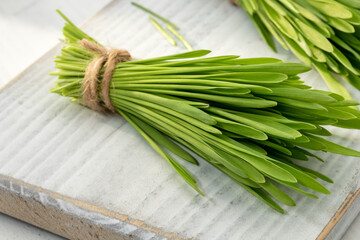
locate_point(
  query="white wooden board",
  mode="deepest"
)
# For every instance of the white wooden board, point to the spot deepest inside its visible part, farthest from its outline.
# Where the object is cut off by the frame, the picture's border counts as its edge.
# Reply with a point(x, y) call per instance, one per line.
point(98, 169)
point(353, 231)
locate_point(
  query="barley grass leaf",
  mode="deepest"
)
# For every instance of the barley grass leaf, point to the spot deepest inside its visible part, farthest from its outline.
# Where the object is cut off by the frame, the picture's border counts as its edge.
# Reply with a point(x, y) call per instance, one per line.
point(253, 119)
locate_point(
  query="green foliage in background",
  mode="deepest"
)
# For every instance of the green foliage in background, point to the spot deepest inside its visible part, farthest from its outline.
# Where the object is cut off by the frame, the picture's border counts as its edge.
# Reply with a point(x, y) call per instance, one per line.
point(322, 33)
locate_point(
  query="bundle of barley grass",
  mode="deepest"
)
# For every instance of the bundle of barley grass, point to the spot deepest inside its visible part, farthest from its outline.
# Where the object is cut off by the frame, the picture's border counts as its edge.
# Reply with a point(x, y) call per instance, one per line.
point(322, 33)
point(253, 119)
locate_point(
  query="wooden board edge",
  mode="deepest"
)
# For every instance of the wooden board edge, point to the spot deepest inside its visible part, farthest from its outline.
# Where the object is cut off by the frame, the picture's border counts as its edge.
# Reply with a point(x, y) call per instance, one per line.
point(40, 207)
point(345, 208)
point(54, 212)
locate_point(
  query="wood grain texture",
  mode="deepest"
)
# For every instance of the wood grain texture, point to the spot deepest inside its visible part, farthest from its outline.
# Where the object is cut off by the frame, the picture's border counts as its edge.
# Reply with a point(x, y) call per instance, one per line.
point(353, 232)
point(49, 143)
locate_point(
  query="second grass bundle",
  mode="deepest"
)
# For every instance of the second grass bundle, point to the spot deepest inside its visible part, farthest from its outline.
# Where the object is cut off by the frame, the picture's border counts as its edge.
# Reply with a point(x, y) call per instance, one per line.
point(322, 33)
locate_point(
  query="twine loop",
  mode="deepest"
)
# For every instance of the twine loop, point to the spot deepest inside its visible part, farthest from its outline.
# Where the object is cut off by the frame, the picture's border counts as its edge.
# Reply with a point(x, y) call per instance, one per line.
point(107, 58)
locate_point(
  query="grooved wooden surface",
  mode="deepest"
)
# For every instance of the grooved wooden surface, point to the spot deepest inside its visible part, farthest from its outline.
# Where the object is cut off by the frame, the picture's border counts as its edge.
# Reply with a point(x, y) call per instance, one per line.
point(48, 142)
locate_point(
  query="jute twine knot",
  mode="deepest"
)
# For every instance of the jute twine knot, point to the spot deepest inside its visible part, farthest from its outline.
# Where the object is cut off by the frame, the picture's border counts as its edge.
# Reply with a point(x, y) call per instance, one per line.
point(107, 58)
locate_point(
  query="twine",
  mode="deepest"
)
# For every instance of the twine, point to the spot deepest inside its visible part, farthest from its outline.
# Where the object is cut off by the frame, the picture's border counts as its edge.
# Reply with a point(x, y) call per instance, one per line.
point(235, 2)
point(107, 58)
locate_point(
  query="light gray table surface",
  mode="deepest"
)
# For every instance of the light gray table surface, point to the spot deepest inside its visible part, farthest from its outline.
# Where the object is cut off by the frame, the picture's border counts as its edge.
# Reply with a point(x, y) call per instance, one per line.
point(28, 29)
